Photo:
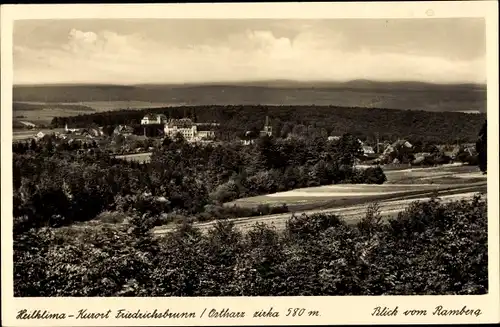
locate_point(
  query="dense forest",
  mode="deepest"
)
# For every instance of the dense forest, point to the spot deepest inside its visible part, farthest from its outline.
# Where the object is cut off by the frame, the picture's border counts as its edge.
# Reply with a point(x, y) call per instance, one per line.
point(429, 249)
point(365, 123)
point(182, 178)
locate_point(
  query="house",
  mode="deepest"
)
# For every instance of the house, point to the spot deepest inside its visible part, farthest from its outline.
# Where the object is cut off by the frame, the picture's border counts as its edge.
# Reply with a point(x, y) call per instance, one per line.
point(396, 145)
point(153, 119)
point(453, 153)
point(204, 132)
point(367, 150)
point(91, 132)
point(39, 135)
point(123, 129)
point(421, 156)
point(95, 132)
point(71, 129)
point(87, 134)
point(248, 138)
point(471, 150)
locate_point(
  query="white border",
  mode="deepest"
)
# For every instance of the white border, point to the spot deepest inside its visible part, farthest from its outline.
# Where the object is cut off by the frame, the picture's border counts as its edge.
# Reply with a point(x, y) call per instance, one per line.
point(334, 310)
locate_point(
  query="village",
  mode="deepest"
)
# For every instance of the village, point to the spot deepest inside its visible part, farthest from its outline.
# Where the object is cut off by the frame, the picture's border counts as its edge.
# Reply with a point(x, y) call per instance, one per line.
point(125, 141)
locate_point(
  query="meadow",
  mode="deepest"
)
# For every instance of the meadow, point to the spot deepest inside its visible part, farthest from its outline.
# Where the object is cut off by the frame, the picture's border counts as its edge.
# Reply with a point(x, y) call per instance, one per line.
point(401, 184)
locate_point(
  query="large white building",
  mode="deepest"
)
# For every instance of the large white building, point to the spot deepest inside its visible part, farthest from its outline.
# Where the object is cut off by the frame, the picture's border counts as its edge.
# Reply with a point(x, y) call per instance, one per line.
point(153, 119)
point(188, 129)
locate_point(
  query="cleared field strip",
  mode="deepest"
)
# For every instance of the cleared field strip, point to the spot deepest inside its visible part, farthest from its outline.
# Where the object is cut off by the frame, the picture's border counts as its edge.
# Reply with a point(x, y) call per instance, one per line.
point(350, 215)
point(388, 208)
point(139, 157)
point(304, 201)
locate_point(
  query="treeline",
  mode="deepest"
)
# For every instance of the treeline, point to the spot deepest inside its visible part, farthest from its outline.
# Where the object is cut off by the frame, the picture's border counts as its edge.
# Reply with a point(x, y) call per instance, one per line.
point(429, 249)
point(53, 187)
point(22, 106)
point(365, 123)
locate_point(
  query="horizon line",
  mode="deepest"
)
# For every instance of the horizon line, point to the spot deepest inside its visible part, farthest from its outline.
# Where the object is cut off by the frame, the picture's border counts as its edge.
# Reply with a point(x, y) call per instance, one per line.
point(236, 83)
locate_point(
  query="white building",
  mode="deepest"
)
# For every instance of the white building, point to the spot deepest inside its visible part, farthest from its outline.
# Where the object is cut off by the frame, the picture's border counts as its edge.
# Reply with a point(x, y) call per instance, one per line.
point(203, 135)
point(153, 119)
point(183, 126)
point(39, 135)
point(367, 150)
point(71, 130)
point(189, 130)
point(333, 138)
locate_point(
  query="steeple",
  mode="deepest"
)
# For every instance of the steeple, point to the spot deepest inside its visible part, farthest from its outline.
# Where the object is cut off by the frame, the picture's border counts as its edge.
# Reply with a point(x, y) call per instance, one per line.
point(267, 130)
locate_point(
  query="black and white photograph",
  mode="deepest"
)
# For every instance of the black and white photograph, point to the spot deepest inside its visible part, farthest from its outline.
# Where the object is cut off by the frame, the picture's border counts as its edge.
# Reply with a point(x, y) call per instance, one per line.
point(250, 157)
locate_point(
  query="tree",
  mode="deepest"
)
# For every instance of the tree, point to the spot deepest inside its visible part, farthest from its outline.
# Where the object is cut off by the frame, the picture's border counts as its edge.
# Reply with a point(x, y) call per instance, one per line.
point(481, 148)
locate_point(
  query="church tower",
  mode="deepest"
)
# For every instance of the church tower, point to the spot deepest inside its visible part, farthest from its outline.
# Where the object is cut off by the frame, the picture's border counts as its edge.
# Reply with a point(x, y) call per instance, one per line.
point(268, 129)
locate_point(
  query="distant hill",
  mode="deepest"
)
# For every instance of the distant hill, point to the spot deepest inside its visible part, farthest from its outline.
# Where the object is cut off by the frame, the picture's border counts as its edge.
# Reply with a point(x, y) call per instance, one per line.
point(357, 93)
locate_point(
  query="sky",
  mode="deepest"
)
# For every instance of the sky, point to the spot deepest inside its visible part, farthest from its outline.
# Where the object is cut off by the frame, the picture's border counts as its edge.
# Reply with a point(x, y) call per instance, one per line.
point(178, 51)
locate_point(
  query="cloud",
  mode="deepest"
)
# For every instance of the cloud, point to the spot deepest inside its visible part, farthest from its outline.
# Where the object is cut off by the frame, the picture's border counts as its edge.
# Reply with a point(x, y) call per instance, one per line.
point(108, 57)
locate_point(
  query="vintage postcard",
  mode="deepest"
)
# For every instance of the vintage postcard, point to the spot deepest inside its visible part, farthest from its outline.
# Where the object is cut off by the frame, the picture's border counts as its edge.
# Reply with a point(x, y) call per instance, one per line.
point(250, 164)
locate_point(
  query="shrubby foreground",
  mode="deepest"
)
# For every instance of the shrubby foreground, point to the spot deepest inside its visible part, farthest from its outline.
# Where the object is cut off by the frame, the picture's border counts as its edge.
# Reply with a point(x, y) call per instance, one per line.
point(430, 248)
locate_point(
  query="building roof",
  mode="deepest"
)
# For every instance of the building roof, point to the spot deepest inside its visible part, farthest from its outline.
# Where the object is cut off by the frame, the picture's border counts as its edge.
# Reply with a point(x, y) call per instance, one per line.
point(402, 143)
point(124, 129)
point(422, 154)
point(471, 150)
point(206, 127)
point(250, 135)
point(150, 116)
point(367, 149)
point(180, 123)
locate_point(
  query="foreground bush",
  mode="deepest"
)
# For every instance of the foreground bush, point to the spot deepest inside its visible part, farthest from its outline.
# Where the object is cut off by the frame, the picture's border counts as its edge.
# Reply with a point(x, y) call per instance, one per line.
point(431, 248)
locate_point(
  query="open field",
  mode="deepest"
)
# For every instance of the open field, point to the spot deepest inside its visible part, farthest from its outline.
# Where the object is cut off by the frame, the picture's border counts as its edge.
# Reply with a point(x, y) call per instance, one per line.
point(303, 201)
point(445, 174)
point(400, 183)
point(351, 201)
point(351, 214)
point(19, 135)
point(39, 112)
point(139, 157)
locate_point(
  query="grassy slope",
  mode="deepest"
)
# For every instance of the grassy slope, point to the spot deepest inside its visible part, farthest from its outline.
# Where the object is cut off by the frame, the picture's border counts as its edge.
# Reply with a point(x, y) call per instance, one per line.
point(409, 183)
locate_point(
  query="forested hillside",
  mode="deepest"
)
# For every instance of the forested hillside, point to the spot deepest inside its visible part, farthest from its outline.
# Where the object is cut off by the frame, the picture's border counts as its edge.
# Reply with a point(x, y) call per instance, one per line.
point(356, 93)
point(440, 127)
